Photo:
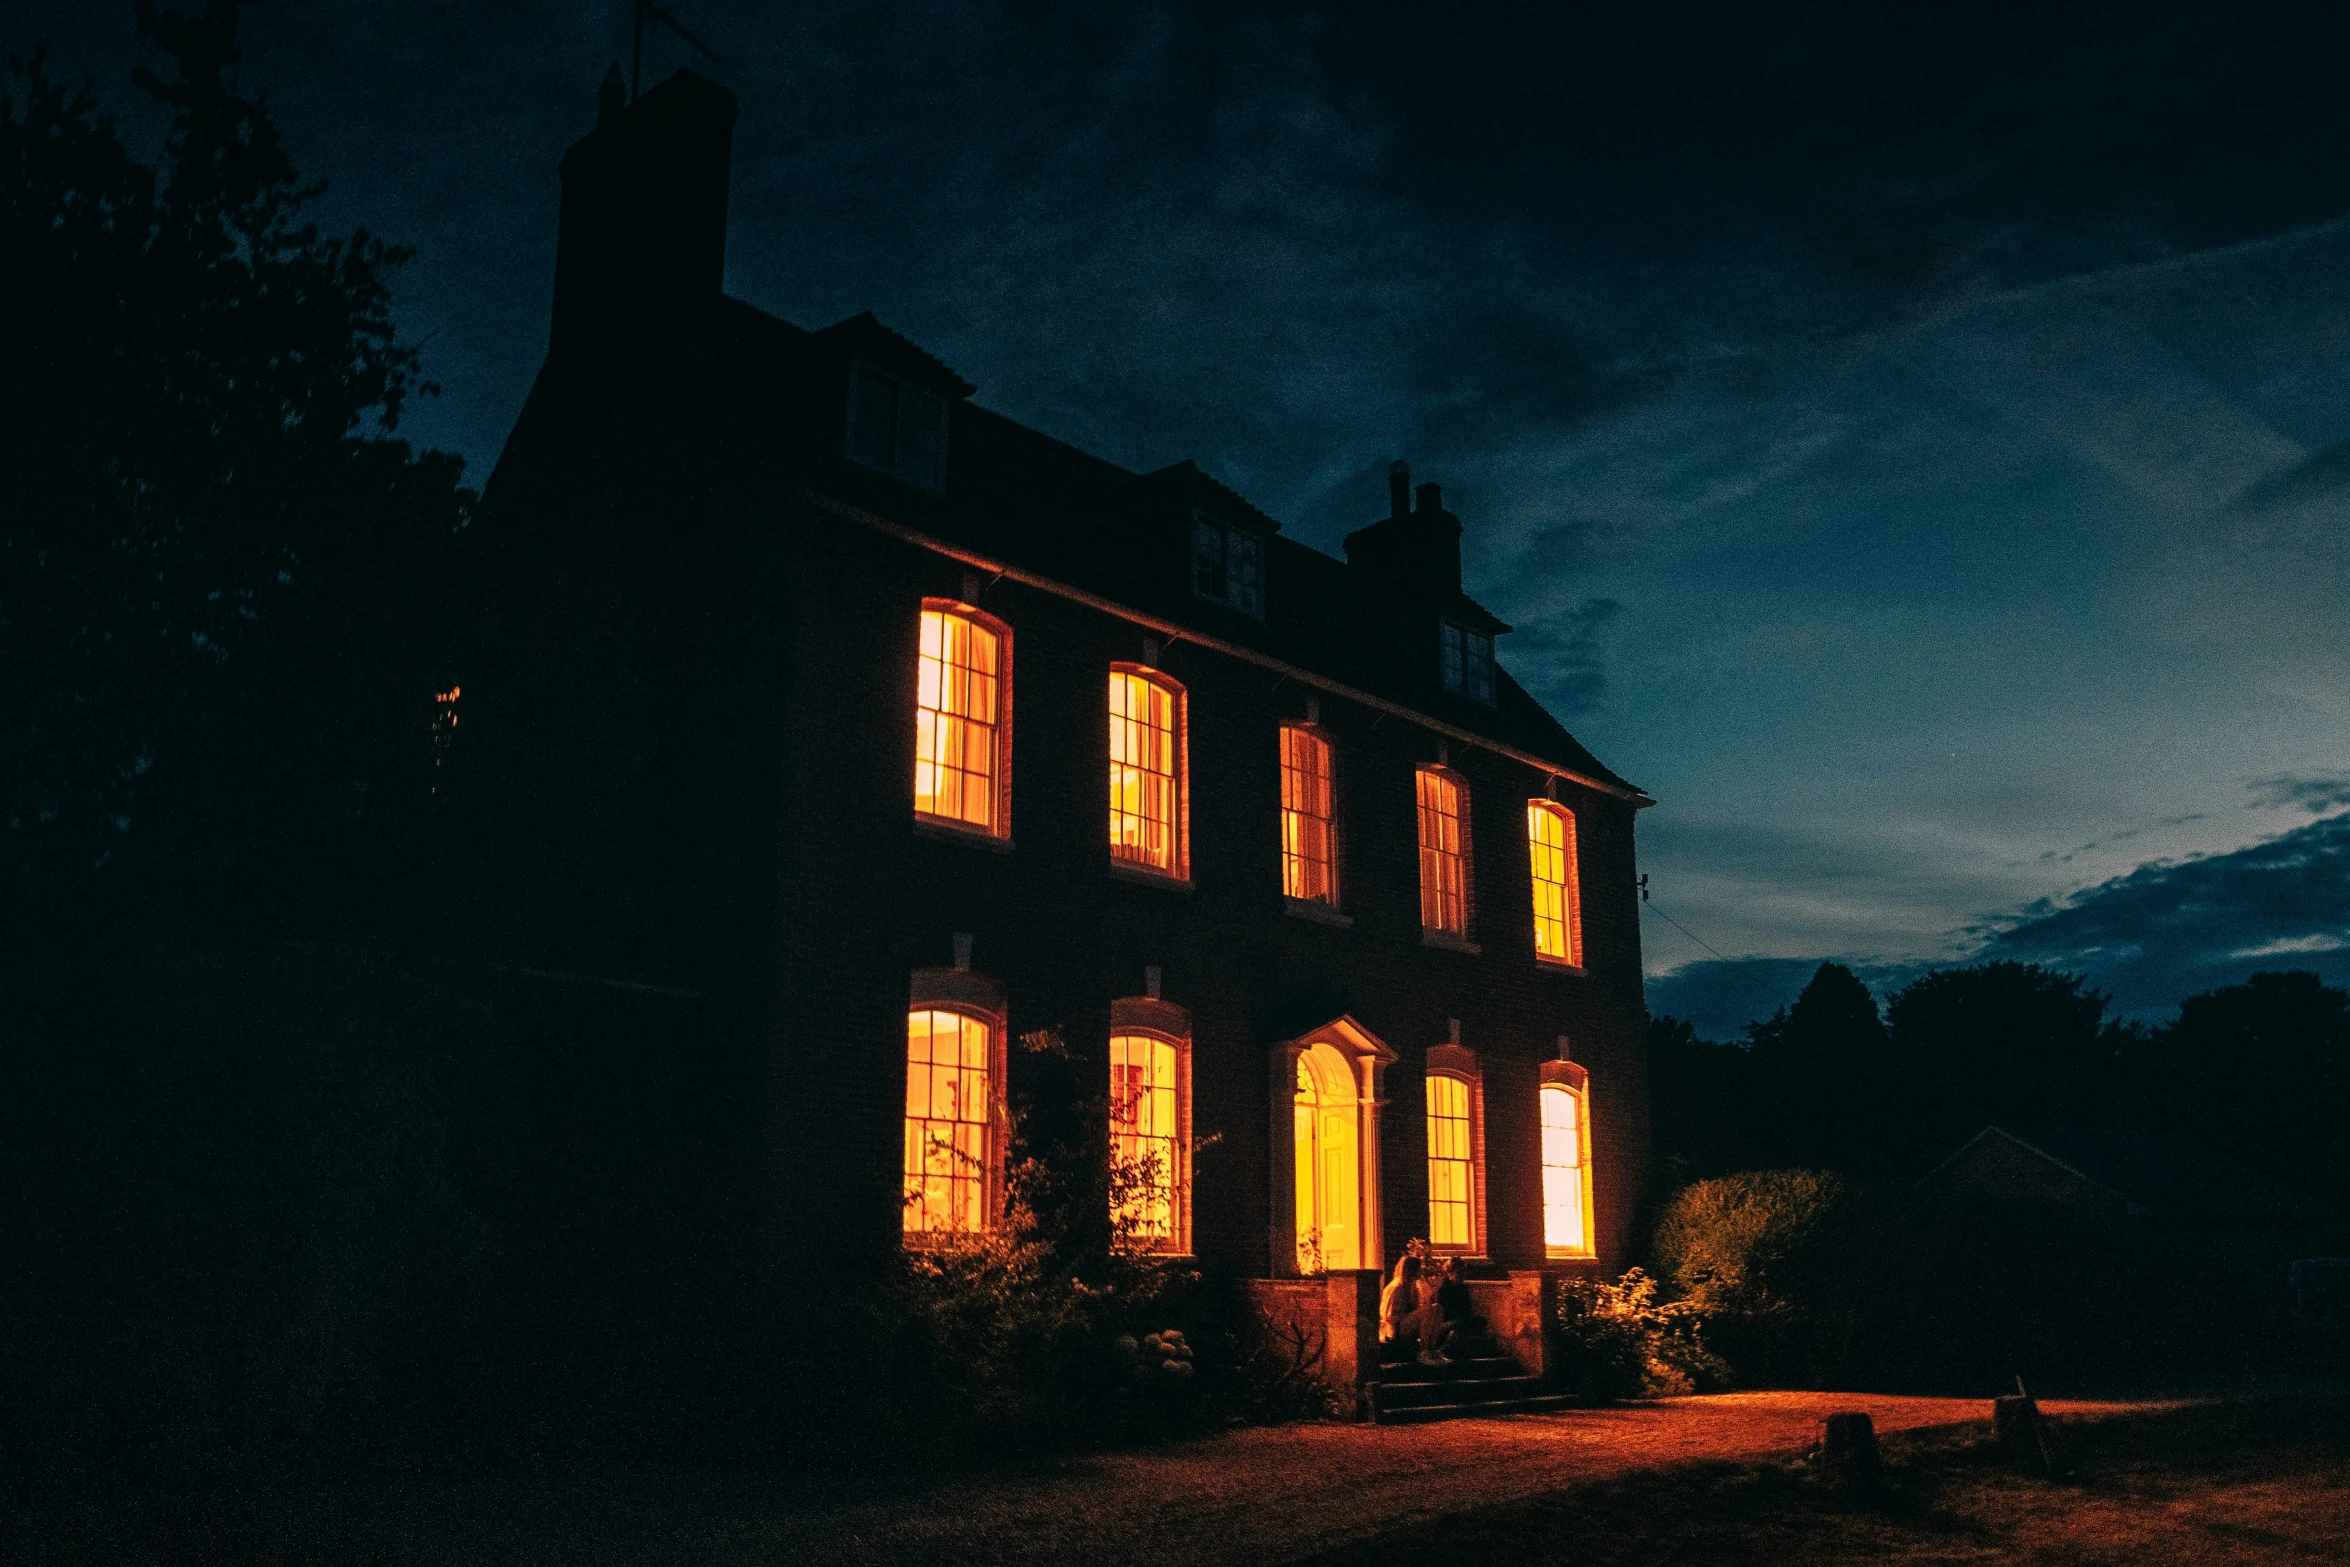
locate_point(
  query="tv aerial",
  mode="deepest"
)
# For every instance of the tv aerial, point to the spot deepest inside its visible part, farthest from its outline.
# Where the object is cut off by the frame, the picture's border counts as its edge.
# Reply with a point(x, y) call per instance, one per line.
point(660, 16)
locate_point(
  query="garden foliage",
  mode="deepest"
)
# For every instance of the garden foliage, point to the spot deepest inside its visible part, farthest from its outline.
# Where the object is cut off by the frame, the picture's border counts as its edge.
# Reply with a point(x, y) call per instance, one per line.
point(1802, 1279)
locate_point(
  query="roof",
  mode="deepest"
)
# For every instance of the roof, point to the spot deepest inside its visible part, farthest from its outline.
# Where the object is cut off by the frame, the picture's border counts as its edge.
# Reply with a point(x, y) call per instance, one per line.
point(1025, 498)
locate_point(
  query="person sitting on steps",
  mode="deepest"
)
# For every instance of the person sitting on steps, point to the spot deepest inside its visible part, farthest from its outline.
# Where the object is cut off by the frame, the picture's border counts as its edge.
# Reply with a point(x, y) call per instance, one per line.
point(1399, 1305)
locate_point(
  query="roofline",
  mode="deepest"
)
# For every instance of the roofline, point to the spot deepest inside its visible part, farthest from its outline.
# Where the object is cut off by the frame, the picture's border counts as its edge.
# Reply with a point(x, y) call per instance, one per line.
point(1638, 799)
point(2030, 1147)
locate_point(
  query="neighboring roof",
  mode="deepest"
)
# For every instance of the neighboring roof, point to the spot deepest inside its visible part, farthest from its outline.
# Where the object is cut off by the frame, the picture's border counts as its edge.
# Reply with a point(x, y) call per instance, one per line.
point(2144, 1173)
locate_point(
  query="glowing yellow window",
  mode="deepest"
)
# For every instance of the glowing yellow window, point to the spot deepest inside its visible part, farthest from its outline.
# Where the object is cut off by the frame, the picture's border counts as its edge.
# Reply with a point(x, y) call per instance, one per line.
point(1309, 865)
point(1146, 805)
point(949, 1129)
point(958, 736)
point(1558, 918)
point(1451, 1164)
point(1563, 1191)
point(1145, 1137)
point(1443, 899)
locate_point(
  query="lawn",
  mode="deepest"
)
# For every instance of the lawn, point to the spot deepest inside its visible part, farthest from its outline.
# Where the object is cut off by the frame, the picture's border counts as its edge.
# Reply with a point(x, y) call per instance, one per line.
point(1692, 1480)
point(2264, 1481)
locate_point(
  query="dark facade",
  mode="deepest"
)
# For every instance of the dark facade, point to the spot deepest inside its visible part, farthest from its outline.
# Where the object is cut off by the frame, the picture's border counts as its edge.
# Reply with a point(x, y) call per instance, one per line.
point(690, 729)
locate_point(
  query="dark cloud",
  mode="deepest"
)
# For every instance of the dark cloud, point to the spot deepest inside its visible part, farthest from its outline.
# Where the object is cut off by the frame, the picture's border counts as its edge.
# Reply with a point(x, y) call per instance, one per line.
point(2165, 931)
point(2316, 794)
point(1558, 656)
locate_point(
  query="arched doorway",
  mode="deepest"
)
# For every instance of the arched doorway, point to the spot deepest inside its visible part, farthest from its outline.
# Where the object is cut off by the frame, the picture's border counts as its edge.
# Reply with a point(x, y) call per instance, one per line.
point(1329, 1184)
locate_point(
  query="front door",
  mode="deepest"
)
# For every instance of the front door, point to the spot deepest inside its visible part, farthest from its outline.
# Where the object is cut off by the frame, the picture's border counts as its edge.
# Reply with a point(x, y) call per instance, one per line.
point(1329, 1195)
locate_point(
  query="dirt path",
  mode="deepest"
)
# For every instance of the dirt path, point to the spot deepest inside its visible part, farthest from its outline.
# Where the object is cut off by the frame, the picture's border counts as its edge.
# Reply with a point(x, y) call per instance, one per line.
point(1254, 1496)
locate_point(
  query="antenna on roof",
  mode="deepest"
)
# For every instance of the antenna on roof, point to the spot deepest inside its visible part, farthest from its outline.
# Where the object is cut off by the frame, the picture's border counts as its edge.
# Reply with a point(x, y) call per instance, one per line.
point(660, 15)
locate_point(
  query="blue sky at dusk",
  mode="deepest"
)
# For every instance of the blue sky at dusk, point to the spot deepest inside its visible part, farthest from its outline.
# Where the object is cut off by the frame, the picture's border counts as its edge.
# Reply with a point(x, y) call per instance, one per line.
point(1916, 452)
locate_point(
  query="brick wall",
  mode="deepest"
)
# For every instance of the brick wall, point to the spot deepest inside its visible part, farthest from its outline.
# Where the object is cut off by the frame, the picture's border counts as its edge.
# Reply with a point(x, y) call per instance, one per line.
point(865, 897)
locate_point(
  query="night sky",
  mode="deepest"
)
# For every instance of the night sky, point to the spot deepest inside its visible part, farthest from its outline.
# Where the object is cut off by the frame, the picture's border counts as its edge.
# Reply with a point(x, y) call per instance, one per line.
point(1916, 451)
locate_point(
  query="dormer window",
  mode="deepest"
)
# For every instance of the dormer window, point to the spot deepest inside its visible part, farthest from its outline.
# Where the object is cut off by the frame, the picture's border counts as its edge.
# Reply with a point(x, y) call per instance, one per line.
point(898, 428)
point(1468, 662)
point(1228, 566)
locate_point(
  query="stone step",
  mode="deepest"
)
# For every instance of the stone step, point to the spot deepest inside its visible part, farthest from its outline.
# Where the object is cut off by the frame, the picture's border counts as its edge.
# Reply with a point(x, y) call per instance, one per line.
point(1462, 1370)
point(1463, 1391)
point(1533, 1404)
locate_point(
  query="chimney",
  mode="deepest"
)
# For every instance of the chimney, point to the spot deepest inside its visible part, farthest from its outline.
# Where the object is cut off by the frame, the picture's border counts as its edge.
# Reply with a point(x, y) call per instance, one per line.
point(1414, 551)
point(641, 248)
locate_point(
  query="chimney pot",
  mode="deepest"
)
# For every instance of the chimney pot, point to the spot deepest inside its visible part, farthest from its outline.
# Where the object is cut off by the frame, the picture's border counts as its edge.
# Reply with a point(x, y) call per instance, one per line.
point(1431, 500)
point(1399, 489)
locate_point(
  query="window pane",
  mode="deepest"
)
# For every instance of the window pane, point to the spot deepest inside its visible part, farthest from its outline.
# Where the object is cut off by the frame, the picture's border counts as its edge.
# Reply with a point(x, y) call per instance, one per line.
point(947, 1123)
point(1147, 1177)
point(1550, 850)
point(1448, 639)
point(1479, 667)
point(1208, 577)
point(1451, 1209)
point(1443, 904)
point(1245, 573)
point(1144, 809)
point(956, 741)
point(1308, 851)
point(1562, 1170)
point(921, 438)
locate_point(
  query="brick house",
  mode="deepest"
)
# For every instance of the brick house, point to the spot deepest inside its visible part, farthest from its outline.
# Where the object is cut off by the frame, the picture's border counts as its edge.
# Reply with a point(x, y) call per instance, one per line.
point(887, 731)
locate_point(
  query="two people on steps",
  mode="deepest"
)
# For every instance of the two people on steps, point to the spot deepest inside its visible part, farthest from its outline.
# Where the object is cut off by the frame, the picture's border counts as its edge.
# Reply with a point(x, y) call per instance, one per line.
point(1423, 1309)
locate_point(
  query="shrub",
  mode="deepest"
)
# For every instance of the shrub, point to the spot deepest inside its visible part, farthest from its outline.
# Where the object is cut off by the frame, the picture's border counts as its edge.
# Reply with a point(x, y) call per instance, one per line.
point(1617, 1341)
point(1061, 1325)
point(1804, 1281)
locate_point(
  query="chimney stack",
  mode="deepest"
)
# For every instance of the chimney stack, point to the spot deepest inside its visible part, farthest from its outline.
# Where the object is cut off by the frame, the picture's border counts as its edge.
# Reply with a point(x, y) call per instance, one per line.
point(1415, 551)
point(641, 248)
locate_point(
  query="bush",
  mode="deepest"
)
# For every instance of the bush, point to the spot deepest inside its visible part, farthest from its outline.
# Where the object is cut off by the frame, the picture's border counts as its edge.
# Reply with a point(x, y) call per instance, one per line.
point(1802, 1280)
point(1061, 1326)
point(1617, 1341)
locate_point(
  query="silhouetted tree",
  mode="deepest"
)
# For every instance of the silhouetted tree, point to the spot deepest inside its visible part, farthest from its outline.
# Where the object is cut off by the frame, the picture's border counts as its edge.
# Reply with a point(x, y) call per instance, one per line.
point(2002, 1042)
point(215, 574)
point(1826, 1077)
point(2259, 1074)
point(1702, 1104)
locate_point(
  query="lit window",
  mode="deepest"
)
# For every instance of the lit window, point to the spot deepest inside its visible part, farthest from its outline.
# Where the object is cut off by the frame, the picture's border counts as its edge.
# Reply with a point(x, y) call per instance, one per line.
point(1146, 805)
point(1228, 566)
point(1149, 1185)
point(1309, 864)
point(1468, 662)
point(949, 1125)
point(1565, 1175)
point(1443, 878)
point(898, 428)
point(958, 730)
point(1558, 916)
point(1451, 1164)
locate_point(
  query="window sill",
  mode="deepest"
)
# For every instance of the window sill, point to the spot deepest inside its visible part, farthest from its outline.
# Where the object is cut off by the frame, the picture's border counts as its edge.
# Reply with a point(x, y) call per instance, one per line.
point(1554, 1254)
point(1448, 941)
point(1144, 876)
point(1557, 965)
point(949, 832)
point(1316, 912)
